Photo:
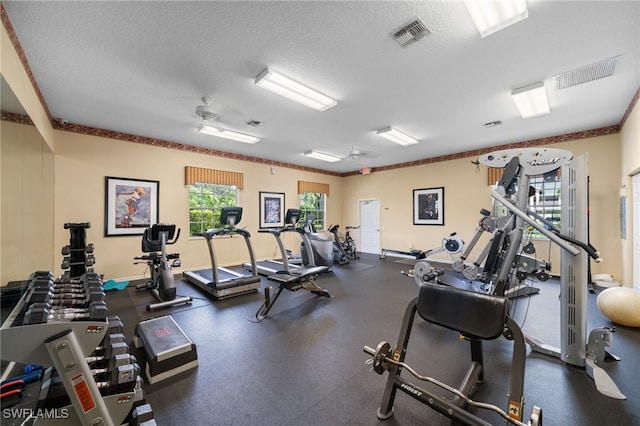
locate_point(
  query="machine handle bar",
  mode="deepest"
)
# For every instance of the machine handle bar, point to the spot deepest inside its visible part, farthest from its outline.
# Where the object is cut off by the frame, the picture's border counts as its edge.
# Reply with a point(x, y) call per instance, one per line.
point(445, 386)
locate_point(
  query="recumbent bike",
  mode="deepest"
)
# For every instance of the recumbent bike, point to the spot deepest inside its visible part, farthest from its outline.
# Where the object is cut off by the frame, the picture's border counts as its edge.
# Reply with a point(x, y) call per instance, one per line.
point(162, 282)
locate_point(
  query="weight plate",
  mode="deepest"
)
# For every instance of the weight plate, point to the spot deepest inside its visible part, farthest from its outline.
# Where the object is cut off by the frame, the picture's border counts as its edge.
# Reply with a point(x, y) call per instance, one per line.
point(382, 351)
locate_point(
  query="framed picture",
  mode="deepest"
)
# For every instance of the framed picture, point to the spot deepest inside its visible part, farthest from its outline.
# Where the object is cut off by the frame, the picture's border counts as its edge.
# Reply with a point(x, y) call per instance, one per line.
point(428, 206)
point(131, 205)
point(271, 209)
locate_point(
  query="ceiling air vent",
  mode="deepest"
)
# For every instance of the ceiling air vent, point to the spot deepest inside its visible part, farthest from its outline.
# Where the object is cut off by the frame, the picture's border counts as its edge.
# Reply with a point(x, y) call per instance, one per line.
point(411, 32)
point(254, 123)
point(586, 73)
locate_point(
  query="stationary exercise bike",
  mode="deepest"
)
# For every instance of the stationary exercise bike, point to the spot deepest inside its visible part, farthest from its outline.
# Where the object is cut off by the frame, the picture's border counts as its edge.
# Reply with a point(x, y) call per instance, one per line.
point(162, 283)
point(344, 248)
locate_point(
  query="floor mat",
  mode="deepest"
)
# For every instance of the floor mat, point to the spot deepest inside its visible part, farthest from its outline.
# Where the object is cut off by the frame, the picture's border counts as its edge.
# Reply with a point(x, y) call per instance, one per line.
point(407, 261)
point(356, 266)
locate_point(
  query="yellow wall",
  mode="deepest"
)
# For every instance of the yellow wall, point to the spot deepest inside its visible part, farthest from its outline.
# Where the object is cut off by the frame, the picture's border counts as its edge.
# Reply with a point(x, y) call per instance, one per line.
point(26, 177)
point(82, 162)
point(27, 202)
point(630, 160)
point(466, 192)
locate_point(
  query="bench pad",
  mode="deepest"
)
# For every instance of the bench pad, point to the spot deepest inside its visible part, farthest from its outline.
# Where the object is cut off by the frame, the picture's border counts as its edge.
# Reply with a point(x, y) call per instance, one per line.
point(474, 315)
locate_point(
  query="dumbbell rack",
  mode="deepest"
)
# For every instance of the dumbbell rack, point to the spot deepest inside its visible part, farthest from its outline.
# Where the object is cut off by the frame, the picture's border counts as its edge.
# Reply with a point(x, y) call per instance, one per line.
point(78, 255)
point(65, 344)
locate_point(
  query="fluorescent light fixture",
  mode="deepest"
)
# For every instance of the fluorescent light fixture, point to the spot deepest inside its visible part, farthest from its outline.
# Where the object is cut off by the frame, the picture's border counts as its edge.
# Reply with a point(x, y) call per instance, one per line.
point(531, 100)
point(322, 156)
point(283, 86)
point(397, 136)
point(228, 134)
point(491, 16)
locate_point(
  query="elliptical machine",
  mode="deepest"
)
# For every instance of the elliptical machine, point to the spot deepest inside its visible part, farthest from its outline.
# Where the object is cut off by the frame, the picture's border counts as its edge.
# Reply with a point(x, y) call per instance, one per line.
point(321, 245)
point(162, 282)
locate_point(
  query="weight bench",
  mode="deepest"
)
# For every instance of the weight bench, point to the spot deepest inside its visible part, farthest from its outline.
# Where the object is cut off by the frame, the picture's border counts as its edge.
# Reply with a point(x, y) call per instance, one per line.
point(477, 317)
point(295, 280)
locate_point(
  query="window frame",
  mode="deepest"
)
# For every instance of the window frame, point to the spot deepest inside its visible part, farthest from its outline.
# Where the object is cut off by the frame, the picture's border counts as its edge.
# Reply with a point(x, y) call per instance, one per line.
point(320, 212)
point(213, 206)
point(546, 202)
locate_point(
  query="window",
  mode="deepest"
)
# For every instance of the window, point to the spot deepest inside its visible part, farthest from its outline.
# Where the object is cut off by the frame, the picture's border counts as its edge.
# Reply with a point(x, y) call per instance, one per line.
point(546, 200)
point(205, 202)
point(313, 203)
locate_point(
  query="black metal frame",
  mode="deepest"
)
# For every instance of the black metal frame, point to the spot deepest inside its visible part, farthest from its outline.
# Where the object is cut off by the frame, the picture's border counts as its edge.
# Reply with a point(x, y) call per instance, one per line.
point(456, 407)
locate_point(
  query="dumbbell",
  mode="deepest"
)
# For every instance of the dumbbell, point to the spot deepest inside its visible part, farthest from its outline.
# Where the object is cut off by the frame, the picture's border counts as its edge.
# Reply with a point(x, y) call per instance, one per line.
point(115, 325)
point(41, 276)
point(88, 296)
point(89, 260)
point(87, 249)
point(122, 379)
point(109, 351)
point(110, 338)
point(39, 314)
point(88, 275)
point(113, 363)
point(44, 295)
point(141, 415)
point(77, 288)
point(40, 285)
point(61, 286)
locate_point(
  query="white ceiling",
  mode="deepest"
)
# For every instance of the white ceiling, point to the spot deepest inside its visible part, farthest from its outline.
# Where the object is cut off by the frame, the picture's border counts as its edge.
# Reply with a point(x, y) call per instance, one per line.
point(141, 68)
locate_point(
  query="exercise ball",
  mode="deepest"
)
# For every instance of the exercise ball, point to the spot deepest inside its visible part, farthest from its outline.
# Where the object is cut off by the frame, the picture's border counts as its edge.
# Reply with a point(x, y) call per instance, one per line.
point(621, 305)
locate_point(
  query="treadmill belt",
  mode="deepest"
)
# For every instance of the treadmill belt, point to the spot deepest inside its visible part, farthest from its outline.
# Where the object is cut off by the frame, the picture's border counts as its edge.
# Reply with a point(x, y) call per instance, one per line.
point(223, 276)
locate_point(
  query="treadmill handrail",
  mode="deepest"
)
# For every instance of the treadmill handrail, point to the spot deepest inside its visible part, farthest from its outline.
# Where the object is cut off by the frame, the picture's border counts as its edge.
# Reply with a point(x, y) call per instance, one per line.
point(213, 232)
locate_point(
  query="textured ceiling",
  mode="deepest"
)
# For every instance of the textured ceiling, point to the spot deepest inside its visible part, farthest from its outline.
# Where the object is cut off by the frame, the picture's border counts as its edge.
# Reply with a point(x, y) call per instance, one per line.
point(141, 68)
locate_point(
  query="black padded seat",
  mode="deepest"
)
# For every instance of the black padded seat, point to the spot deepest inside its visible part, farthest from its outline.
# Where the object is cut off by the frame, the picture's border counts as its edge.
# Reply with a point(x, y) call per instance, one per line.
point(307, 272)
point(283, 278)
point(475, 315)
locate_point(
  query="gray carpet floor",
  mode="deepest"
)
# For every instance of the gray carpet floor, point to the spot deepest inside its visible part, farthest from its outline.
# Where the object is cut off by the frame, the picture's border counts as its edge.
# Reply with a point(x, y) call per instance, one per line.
point(305, 365)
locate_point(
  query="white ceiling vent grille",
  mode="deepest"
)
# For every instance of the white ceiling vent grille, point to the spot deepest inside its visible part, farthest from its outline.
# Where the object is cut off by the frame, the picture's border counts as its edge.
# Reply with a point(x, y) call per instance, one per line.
point(411, 32)
point(586, 73)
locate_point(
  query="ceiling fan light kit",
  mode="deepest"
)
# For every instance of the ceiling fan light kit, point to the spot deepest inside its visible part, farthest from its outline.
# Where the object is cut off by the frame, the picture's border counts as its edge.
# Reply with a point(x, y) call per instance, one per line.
point(284, 86)
point(494, 15)
point(227, 134)
point(397, 136)
point(531, 100)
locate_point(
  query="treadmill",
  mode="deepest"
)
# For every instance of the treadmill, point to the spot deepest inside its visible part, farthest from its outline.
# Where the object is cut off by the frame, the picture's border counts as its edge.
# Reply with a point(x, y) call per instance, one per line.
point(286, 266)
point(220, 282)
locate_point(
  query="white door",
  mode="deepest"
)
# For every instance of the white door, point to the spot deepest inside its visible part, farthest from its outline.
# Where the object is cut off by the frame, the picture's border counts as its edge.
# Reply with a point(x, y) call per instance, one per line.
point(635, 208)
point(369, 226)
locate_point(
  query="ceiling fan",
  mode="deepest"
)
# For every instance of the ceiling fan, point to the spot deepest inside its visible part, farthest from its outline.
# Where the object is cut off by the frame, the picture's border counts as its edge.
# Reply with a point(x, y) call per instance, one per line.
point(213, 112)
point(354, 153)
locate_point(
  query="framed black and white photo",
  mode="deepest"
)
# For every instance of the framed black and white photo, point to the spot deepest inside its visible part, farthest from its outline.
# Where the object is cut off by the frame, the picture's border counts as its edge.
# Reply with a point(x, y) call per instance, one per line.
point(428, 206)
point(131, 205)
point(271, 209)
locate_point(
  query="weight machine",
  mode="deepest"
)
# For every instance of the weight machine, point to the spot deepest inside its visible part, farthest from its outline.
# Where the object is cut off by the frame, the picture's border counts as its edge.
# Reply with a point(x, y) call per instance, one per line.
point(485, 318)
point(512, 192)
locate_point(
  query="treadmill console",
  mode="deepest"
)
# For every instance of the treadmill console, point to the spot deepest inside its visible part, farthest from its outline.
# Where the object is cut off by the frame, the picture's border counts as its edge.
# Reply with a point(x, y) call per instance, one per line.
point(230, 216)
point(292, 217)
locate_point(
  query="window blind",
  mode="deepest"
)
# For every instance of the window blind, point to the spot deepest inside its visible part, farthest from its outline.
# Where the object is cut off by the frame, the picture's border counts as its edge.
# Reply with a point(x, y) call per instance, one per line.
point(217, 177)
point(322, 188)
